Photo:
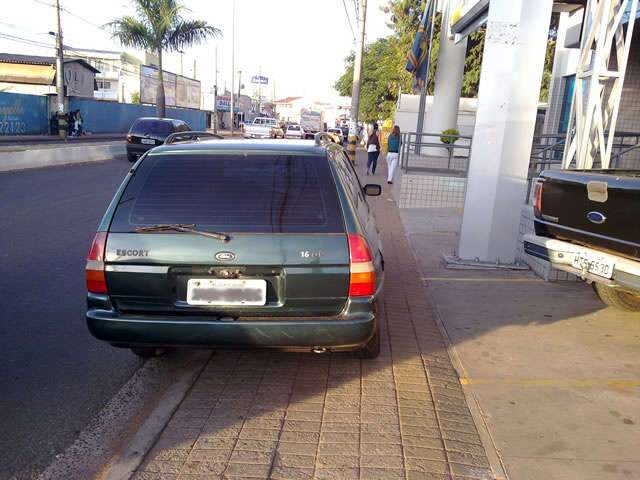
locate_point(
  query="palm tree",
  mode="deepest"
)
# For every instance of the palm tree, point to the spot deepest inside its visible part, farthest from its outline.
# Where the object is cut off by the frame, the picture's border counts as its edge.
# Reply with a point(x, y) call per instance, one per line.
point(159, 26)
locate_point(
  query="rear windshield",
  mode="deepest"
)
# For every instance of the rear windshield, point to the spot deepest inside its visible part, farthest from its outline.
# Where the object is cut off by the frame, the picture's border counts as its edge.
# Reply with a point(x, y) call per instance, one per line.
point(256, 193)
point(294, 128)
point(151, 127)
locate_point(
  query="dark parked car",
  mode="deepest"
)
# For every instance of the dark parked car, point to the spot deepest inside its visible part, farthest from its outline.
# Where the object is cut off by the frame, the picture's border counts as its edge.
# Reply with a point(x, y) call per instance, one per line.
point(238, 243)
point(147, 132)
point(585, 225)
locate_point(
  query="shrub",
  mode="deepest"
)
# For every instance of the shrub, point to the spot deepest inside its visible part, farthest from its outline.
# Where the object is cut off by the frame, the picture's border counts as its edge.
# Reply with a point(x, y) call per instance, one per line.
point(445, 138)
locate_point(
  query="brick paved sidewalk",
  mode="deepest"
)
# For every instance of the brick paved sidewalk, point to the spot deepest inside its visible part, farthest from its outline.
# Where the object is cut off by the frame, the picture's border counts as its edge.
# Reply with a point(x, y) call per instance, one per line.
point(262, 414)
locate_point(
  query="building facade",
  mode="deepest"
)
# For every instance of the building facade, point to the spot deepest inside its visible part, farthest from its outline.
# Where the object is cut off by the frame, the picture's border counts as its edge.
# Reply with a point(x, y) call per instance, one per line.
point(119, 77)
point(36, 75)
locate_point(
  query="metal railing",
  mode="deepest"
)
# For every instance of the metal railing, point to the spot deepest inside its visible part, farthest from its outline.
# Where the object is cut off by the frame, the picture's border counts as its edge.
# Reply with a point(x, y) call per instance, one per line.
point(547, 152)
point(426, 152)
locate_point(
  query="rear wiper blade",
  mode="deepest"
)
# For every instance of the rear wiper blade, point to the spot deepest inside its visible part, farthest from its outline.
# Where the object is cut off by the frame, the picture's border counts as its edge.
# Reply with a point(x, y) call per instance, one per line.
point(183, 228)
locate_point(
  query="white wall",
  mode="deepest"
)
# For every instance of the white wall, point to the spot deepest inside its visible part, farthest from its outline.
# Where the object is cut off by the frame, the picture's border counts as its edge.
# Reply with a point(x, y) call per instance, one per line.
point(406, 116)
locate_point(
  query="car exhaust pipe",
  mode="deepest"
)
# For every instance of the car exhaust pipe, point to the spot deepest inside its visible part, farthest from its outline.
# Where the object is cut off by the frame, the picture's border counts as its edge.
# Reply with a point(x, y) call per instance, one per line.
point(319, 350)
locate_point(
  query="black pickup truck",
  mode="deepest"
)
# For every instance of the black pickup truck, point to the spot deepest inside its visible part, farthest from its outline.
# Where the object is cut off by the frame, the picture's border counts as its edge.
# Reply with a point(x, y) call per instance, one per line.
point(587, 222)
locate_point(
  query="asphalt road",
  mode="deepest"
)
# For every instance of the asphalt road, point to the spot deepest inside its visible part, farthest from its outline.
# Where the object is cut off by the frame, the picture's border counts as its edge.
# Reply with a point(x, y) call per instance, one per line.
point(54, 377)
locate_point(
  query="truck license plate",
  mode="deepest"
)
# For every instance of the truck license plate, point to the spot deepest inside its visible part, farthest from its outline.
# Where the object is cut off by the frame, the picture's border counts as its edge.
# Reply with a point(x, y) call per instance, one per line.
point(148, 141)
point(232, 291)
point(595, 264)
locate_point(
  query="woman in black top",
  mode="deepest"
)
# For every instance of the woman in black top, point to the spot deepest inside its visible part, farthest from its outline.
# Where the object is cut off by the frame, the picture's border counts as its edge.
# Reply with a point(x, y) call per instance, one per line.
point(373, 150)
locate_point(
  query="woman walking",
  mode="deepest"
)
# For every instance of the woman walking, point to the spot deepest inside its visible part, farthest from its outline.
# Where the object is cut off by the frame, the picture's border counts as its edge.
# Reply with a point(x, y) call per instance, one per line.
point(373, 150)
point(393, 145)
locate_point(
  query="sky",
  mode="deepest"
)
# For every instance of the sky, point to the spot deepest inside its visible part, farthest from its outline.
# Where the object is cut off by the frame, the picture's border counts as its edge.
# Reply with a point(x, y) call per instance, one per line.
point(299, 44)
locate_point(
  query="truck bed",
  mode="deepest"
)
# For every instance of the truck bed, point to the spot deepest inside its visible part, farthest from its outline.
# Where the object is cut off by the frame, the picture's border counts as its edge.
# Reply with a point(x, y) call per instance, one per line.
point(595, 208)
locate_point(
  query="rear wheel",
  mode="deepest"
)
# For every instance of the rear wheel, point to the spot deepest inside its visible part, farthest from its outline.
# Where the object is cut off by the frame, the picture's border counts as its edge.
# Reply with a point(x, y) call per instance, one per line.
point(620, 299)
point(372, 348)
point(147, 352)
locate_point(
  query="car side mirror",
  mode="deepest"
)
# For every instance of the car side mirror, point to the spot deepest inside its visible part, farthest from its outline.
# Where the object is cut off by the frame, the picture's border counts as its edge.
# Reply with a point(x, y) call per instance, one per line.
point(372, 190)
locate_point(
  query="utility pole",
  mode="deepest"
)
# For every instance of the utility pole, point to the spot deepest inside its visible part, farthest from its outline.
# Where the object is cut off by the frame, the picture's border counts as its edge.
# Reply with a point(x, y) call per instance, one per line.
point(259, 90)
point(194, 68)
point(233, 63)
point(62, 122)
point(239, 87)
point(275, 114)
point(355, 91)
point(215, 90)
point(181, 62)
point(422, 105)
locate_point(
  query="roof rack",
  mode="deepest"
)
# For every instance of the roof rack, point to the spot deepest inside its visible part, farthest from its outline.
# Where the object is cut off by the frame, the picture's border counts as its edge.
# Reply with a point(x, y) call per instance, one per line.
point(190, 136)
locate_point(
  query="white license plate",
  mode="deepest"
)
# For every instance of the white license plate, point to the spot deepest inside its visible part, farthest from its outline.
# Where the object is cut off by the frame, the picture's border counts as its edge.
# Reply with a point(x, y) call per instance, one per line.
point(148, 141)
point(232, 291)
point(595, 264)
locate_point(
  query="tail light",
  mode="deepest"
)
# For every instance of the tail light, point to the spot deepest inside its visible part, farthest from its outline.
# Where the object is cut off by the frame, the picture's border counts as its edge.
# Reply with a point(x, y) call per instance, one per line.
point(537, 200)
point(362, 279)
point(96, 282)
point(129, 138)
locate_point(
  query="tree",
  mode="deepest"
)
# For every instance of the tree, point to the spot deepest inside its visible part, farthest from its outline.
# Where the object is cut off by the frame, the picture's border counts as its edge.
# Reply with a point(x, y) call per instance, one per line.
point(135, 97)
point(384, 60)
point(159, 27)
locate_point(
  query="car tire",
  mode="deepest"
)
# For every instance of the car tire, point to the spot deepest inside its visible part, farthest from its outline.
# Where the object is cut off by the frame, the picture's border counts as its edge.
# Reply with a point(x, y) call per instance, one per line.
point(617, 298)
point(131, 157)
point(147, 352)
point(372, 348)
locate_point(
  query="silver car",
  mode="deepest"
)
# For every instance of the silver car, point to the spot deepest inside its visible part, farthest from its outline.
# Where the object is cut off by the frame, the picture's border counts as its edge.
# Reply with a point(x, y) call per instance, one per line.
point(294, 131)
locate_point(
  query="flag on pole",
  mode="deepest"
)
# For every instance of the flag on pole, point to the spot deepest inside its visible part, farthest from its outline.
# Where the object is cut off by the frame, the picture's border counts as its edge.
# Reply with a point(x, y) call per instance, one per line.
point(418, 61)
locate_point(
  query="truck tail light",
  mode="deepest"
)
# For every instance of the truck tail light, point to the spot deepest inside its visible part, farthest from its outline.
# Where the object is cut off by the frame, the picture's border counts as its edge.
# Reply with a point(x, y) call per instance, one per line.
point(537, 200)
point(362, 278)
point(96, 282)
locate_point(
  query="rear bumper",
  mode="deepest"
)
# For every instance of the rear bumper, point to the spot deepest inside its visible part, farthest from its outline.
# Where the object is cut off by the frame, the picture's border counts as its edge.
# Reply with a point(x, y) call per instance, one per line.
point(626, 272)
point(295, 334)
point(138, 148)
point(257, 135)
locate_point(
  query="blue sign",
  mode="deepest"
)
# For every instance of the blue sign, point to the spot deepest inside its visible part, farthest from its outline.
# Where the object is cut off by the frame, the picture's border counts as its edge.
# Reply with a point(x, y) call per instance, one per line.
point(23, 114)
point(260, 80)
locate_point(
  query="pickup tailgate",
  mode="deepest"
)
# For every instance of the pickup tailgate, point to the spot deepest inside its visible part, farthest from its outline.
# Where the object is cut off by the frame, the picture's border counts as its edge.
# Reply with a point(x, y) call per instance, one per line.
point(595, 208)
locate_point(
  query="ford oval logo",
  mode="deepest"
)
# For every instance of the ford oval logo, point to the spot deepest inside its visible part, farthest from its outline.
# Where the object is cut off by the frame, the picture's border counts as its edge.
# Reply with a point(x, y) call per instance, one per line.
point(596, 217)
point(225, 256)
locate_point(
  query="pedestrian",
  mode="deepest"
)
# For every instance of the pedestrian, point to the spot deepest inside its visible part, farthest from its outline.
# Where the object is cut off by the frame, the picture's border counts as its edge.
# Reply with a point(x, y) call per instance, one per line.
point(79, 123)
point(393, 147)
point(70, 123)
point(373, 150)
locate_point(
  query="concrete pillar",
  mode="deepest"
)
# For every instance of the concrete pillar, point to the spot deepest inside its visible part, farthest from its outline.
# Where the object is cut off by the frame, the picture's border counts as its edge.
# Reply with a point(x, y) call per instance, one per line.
point(448, 82)
point(509, 89)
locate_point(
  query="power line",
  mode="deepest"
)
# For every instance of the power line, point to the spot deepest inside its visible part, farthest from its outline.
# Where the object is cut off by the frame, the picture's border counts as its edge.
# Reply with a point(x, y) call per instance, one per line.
point(27, 41)
point(44, 3)
point(22, 29)
point(89, 22)
point(346, 12)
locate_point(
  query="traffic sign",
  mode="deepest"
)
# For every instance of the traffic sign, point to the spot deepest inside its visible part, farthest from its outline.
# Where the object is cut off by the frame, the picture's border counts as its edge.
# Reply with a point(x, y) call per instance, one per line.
point(260, 80)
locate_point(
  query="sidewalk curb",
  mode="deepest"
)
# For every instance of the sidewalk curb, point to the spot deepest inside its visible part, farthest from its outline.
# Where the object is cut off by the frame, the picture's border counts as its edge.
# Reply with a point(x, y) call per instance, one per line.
point(129, 459)
point(493, 454)
point(15, 158)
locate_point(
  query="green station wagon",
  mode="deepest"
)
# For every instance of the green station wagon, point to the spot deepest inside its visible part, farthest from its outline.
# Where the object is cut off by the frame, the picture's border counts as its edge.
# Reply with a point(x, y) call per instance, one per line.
point(238, 244)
